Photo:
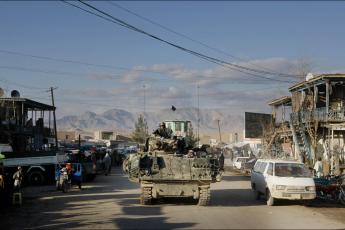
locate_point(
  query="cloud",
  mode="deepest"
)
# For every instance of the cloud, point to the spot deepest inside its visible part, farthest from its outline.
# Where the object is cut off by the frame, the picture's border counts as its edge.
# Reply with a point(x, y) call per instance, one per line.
point(213, 76)
point(104, 76)
point(162, 85)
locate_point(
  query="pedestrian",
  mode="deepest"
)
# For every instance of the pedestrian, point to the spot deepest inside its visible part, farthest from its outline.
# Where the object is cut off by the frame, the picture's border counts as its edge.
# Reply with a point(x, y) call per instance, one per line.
point(18, 177)
point(318, 168)
point(107, 163)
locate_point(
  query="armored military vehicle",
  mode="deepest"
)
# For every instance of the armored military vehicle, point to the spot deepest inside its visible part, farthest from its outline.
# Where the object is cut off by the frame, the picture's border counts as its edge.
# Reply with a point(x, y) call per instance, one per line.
point(171, 167)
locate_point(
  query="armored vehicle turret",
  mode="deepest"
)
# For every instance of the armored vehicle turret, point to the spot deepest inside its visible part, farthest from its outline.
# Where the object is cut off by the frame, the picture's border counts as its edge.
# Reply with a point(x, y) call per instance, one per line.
point(170, 166)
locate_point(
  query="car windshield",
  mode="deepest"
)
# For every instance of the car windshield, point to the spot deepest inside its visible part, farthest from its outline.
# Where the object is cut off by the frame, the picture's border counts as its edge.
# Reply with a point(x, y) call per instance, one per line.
point(291, 170)
point(242, 159)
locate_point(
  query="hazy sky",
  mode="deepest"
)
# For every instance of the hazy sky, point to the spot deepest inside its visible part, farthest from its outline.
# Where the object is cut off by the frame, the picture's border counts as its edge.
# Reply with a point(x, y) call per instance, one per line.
point(270, 35)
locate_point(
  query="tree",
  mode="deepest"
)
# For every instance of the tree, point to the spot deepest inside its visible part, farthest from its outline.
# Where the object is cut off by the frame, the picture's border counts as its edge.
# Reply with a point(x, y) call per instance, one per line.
point(140, 130)
point(191, 139)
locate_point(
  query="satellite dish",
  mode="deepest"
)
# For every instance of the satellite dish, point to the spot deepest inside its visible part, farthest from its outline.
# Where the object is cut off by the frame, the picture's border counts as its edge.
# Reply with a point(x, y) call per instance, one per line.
point(309, 76)
point(2, 92)
point(15, 93)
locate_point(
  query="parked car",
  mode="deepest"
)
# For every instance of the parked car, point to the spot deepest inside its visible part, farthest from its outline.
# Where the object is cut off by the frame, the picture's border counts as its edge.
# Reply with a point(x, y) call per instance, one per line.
point(240, 161)
point(280, 179)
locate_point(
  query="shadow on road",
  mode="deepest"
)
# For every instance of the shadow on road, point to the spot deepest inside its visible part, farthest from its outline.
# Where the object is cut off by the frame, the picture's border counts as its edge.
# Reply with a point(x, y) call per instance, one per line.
point(234, 197)
point(236, 178)
point(108, 201)
point(149, 223)
point(147, 217)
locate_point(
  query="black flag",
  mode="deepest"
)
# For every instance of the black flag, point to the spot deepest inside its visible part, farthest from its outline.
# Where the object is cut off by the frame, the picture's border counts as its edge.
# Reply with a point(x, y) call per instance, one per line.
point(173, 108)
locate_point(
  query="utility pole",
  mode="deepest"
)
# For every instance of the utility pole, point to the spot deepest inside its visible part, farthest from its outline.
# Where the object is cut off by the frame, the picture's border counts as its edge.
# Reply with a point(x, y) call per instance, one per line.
point(54, 116)
point(220, 135)
point(198, 115)
point(79, 142)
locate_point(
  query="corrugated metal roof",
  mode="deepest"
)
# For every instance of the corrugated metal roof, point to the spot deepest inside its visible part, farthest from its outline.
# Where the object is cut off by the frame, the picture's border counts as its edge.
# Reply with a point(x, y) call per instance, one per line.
point(28, 103)
point(317, 78)
point(285, 100)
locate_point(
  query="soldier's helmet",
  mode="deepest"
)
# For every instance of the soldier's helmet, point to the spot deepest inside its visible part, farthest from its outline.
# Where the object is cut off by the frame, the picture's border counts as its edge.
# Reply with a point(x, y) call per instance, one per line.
point(162, 124)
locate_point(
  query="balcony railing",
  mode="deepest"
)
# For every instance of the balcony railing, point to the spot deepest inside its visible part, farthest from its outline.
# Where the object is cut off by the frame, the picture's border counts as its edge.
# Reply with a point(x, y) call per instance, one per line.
point(320, 114)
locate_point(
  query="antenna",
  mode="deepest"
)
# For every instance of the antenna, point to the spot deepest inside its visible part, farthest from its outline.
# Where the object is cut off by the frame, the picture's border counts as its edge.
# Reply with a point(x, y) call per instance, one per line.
point(198, 116)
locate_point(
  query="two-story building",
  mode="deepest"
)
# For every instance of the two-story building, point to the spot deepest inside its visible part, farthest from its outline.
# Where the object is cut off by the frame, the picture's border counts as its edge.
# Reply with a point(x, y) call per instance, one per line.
point(316, 125)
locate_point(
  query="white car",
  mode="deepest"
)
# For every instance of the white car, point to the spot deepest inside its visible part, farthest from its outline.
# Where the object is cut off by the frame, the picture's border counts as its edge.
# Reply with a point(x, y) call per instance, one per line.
point(239, 162)
point(281, 179)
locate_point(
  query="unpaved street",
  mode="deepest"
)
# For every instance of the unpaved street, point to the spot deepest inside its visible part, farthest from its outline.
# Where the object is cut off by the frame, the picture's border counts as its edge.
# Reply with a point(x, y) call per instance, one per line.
point(113, 202)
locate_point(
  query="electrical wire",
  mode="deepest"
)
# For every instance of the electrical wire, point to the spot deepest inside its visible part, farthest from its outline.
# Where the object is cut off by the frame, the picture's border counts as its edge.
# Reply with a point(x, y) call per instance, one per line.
point(194, 40)
point(73, 61)
point(37, 70)
point(107, 75)
point(214, 60)
point(232, 66)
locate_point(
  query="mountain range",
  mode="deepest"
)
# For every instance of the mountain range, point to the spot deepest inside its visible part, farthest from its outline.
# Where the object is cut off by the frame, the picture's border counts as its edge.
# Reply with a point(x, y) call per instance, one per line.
point(122, 120)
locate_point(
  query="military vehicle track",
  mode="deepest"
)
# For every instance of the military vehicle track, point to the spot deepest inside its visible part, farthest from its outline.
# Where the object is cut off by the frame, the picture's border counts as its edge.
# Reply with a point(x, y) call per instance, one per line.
point(146, 195)
point(205, 197)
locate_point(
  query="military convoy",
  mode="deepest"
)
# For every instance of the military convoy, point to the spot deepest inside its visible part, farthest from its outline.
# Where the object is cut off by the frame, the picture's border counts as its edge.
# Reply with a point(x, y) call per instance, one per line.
point(171, 167)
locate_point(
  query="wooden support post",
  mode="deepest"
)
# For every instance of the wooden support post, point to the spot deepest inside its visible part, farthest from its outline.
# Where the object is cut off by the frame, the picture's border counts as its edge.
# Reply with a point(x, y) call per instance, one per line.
point(327, 98)
point(332, 152)
point(316, 92)
point(23, 117)
point(49, 120)
point(283, 113)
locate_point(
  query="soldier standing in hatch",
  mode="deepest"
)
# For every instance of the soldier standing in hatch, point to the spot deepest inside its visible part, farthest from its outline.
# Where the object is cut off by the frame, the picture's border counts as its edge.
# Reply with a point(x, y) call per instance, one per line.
point(163, 131)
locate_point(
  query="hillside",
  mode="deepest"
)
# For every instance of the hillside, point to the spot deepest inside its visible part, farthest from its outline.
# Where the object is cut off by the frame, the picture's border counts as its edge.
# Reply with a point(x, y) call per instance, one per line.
point(121, 120)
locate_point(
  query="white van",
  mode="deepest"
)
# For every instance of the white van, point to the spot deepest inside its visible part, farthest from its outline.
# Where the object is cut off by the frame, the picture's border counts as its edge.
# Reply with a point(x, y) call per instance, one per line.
point(281, 179)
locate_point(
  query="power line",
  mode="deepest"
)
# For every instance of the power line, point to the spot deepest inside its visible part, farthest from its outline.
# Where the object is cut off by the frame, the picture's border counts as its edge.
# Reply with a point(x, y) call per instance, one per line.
point(229, 65)
point(192, 39)
point(55, 72)
point(74, 61)
point(107, 75)
point(205, 57)
point(37, 70)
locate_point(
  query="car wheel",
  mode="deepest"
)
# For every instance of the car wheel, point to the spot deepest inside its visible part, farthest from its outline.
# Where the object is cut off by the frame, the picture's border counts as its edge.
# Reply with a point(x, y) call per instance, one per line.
point(257, 195)
point(342, 198)
point(306, 203)
point(255, 192)
point(269, 198)
point(36, 177)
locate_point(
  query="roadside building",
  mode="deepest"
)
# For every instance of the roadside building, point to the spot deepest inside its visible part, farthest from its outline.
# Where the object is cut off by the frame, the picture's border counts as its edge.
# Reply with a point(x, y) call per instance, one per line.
point(105, 135)
point(315, 126)
point(279, 142)
point(67, 136)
